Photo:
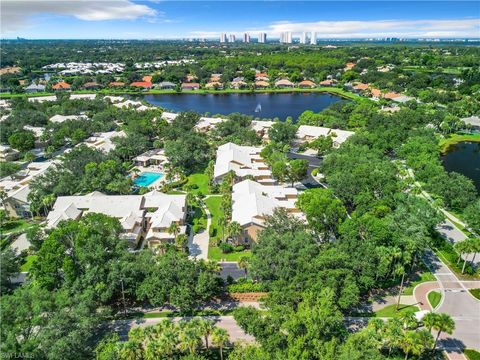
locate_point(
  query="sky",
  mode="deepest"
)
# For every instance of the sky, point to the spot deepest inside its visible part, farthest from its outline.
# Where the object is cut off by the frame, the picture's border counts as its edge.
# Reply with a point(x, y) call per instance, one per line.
point(157, 19)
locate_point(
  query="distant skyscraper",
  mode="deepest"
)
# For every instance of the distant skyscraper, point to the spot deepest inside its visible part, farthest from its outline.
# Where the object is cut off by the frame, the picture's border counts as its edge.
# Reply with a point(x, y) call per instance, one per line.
point(313, 38)
point(246, 38)
point(303, 38)
point(262, 38)
point(286, 37)
point(231, 38)
point(223, 38)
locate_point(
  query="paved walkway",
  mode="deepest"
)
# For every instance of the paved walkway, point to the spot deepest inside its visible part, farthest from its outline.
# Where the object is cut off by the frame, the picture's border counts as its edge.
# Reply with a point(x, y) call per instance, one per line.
point(421, 294)
point(122, 327)
point(198, 243)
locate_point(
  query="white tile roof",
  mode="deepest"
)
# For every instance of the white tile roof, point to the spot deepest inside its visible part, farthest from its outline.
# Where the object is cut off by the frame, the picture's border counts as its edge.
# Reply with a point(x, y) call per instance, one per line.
point(103, 141)
point(62, 118)
point(206, 123)
point(305, 131)
point(252, 201)
point(243, 160)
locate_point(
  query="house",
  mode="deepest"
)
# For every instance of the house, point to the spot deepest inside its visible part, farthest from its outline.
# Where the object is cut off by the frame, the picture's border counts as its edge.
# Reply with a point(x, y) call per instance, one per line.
point(349, 66)
point(307, 133)
point(252, 202)
point(142, 84)
point(214, 85)
point(116, 84)
point(261, 84)
point(261, 77)
point(261, 128)
point(62, 85)
point(34, 88)
point(167, 85)
point(62, 118)
point(238, 84)
point(151, 157)
point(145, 216)
point(328, 82)
point(243, 161)
point(403, 99)
point(168, 116)
point(472, 121)
point(38, 132)
point(131, 104)
point(190, 86)
point(205, 124)
point(391, 95)
point(17, 188)
point(360, 87)
point(306, 84)
point(104, 141)
point(376, 93)
point(92, 85)
point(8, 154)
point(283, 83)
point(215, 77)
point(190, 78)
point(147, 78)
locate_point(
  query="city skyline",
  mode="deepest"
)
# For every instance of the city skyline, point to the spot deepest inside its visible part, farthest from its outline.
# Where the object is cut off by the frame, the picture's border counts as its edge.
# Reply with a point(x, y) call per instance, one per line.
point(128, 19)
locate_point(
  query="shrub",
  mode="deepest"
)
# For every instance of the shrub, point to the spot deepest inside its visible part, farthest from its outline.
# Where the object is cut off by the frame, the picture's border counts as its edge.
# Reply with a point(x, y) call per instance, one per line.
point(239, 248)
point(212, 232)
point(244, 286)
point(225, 247)
point(315, 172)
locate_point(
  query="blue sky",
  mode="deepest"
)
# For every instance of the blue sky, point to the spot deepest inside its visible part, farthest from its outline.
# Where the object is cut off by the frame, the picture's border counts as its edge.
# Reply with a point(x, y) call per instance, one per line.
point(130, 19)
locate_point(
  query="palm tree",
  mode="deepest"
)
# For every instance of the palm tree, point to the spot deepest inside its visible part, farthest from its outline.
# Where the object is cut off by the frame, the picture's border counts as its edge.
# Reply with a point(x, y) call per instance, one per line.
point(408, 320)
point(393, 333)
point(234, 229)
point(220, 338)
point(174, 229)
point(445, 324)
point(169, 341)
point(243, 264)
point(181, 241)
point(222, 222)
point(425, 338)
point(411, 344)
point(206, 328)
point(429, 320)
point(189, 337)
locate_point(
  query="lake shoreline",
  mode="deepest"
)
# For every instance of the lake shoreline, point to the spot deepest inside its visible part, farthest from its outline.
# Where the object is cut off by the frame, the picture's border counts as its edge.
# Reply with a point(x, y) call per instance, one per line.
point(447, 144)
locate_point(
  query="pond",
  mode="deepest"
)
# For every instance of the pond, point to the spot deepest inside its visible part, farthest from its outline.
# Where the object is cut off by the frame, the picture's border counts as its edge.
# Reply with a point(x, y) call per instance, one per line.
point(262, 105)
point(464, 158)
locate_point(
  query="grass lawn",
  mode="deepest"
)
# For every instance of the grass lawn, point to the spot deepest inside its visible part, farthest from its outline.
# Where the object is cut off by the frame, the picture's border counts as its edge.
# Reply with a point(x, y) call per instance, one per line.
point(456, 138)
point(391, 310)
point(213, 204)
point(215, 254)
point(434, 298)
point(199, 220)
point(472, 354)
point(15, 226)
point(475, 293)
point(200, 181)
point(28, 263)
point(422, 277)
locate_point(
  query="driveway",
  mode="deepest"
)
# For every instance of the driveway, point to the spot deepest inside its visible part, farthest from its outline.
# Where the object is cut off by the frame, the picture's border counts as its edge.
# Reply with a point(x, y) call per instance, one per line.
point(198, 243)
point(231, 268)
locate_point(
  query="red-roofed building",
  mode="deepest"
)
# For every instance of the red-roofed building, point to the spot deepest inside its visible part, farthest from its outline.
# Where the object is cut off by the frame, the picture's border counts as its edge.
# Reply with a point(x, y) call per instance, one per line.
point(142, 84)
point(190, 86)
point(116, 84)
point(306, 84)
point(327, 83)
point(147, 78)
point(62, 85)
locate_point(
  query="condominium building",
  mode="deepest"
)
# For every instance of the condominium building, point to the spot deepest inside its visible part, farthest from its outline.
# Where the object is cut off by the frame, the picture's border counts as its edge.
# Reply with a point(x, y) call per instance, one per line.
point(313, 38)
point(246, 38)
point(286, 37)
point(262, 38)
point(303, 38)
point(231, 38)
point(223, 38)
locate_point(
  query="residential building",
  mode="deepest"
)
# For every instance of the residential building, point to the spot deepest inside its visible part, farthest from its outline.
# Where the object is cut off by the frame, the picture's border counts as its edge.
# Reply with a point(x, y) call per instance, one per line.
point(231, 38)
point(238, 83)
point(303, 38)
point(252, 202)
point(151, 157)
point(62, 85)
point(284, 83)
point(34, 88)
point(261, 84)
point(91, 85)
point(17, 188)
point(262, 38)
point(206, 124)
point(307, 84)
point(116, 84)
point(261, 128)
point(243, 161)
point(286, 37)
point(327, 83)
point(167, 85)
point(261, 76)
point(38, 132)
point(223, 38)
point(142, 84)
point(104, 141)
point(8, 154)
point(313, 38)
point(61, 118)
point(215, 85)
point(145, 216)
point(472, 122)
point(190, 86)
point(307, 133)
point(246, 37)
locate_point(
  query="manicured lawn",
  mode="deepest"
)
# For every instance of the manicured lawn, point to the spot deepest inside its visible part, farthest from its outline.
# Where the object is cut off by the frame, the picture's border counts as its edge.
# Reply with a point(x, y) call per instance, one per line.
point(472, 354)
point(199, 181)
point(199, 220)
point(475, 293)
point(456, 138)
point(15, 226)
point(28, 263)
point(422, 277)
point(213, 204)
point(434, 298)
point(214, 253)
point(391, 310)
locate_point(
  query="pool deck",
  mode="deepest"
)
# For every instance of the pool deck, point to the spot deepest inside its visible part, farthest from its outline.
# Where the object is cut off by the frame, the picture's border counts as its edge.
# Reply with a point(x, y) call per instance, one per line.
point(157, 184)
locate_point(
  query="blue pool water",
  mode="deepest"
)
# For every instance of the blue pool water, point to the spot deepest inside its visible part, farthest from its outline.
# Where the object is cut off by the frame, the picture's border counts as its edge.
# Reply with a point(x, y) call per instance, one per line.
point(147, 178)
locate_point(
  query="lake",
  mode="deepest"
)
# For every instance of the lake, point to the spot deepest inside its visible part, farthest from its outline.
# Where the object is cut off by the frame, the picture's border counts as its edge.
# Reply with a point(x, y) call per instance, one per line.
point(268, 105)
point(464, 158)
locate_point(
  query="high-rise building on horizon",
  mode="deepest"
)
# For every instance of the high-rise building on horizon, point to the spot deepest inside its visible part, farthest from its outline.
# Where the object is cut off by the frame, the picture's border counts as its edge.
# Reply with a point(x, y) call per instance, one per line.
point(231, 38)
point(313, 38)
point(223, 38)
point(286, 37)
point(262, 38)
point(303, 38)
point(246, 37)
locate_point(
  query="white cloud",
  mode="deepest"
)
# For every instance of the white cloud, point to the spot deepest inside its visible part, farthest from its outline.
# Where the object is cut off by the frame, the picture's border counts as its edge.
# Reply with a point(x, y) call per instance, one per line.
point(16, 14)
point(368, 29)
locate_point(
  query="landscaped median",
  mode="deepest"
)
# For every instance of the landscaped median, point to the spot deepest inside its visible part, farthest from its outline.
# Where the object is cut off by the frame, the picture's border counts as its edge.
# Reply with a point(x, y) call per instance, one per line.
point(434, 298)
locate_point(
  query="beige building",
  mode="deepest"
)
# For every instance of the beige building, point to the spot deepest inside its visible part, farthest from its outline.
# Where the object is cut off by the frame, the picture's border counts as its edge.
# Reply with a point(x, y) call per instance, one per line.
point(307, 133)
point(8, 154)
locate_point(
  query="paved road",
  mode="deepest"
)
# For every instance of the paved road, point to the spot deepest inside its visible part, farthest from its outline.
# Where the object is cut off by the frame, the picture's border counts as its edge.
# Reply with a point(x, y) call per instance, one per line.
point(459, 304)
point(198, 243)
point(226, 322)
point(450, 232)
point(231, 268)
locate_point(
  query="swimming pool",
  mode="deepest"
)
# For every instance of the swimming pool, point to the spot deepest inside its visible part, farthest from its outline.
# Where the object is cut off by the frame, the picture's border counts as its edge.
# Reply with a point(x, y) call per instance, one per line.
point(147, 178)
